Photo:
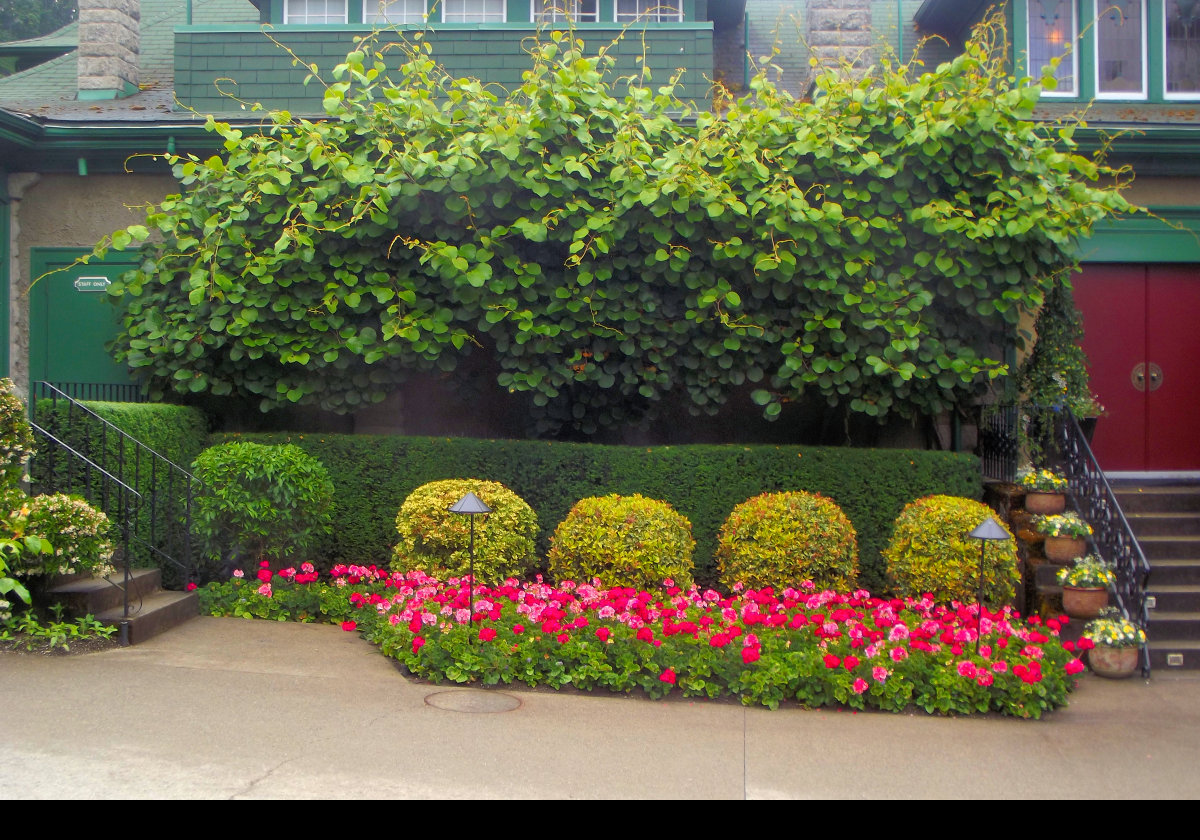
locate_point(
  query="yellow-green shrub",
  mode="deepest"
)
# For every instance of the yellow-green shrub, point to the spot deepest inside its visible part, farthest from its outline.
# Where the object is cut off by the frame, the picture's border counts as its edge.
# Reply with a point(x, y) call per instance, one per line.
point(437, 541)
point(623, 541)
point(783, 539)
point(931, 552)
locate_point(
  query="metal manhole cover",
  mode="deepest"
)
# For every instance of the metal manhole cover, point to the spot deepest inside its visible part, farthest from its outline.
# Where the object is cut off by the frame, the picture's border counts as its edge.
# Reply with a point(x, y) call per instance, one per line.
point(473, 701)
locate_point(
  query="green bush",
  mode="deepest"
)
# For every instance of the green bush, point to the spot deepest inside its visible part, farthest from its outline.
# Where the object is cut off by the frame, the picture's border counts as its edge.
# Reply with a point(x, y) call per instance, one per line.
point(931, 552)
point(261, 503)
point(374, 474)
point(782, 539)
point(437, 541)
point(16, 436)
point(623, 541)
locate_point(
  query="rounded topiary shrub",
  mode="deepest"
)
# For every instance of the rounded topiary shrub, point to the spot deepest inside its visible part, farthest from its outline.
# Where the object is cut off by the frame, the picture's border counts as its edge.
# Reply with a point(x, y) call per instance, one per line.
point(437, 541)
point(261, 503)
point(931, 552)
point(784, 539)
point(623, 541)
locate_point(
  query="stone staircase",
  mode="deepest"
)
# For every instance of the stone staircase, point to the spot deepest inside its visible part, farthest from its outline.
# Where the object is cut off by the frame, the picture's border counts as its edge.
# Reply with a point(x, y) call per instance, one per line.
point(1165, 518)
point(152, 610)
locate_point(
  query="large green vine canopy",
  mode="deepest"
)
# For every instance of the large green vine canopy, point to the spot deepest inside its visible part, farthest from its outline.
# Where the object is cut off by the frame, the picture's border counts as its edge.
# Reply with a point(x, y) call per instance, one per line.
point(611, 247)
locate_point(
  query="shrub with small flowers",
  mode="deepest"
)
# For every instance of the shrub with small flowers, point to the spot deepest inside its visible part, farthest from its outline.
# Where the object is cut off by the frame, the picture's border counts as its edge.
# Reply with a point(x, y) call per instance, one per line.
point(1062, 525)
point(1114, 630)
point(1042, 481)
point(801, 645)
point(78, 532)
point(1088, 572)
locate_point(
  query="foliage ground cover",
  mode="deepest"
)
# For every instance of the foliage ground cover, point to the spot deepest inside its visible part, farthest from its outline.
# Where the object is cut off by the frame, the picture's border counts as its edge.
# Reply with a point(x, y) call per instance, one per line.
point(815, 648)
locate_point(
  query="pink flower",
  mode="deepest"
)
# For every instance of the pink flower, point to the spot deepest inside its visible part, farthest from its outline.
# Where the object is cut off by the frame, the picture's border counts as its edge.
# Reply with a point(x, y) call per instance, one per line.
point(966, 668)
point(518, 629)
point(1000, 666)
point(879, 673)
point(860, 685)
point(899, 654)
point(1074, 666)
point(984, 679)
point(191, 587)
point(238, 573)
point(349, 626)
point(265, 590)
point(668, 676)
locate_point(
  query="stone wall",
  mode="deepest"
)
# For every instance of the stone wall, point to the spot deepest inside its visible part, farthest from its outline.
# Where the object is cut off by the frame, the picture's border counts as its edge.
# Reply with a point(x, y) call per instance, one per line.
point(108, 45)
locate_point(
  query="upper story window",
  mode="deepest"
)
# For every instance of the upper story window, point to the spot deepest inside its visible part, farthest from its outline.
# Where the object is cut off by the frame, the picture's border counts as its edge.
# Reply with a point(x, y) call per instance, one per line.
point(393, 11)
point(473, 11)
point(1053, 31)
point(555, 11)
point(314, 11)
point(1115, 49)
point(649, 10)
point(1181, 67)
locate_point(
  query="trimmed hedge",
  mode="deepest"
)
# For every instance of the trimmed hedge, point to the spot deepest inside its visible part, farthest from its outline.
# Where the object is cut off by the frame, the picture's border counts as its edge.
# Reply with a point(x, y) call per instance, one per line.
point(374, 474)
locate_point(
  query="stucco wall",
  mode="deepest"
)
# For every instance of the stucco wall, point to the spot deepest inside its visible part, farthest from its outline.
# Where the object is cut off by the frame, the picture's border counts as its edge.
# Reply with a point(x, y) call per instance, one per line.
point(58, 210)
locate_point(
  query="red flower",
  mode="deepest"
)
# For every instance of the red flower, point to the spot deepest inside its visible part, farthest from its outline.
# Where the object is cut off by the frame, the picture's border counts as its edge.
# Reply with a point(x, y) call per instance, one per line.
point(1085, 644)
point(603, 633)
point(518, 629)
point(645, 634)
point(851, 662)
point(418, 643)
point(749, 654)
point(1074, 666)
point(832, 661)
point(668, 676)
point(486, 634)
point(349, 626)
point(191, 587)
point(264, 574)
point(563, 638)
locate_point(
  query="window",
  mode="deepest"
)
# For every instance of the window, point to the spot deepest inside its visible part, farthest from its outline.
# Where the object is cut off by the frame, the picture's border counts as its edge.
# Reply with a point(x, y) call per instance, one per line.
point(1053, 31)
point(314, 11)
point(393, 11)
point(554, 11)
point(649, 10)
point(1120, 49)
point(473, 11)
point(1146, 50)
point(1181, 65)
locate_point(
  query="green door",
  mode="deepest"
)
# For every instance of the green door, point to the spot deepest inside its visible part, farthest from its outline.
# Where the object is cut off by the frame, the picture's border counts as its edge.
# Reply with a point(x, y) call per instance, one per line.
point(71, 319)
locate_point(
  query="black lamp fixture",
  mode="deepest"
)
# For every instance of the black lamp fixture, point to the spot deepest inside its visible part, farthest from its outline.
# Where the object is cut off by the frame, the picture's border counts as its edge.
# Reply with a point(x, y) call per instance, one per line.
point(471, 505)
point(985, 532)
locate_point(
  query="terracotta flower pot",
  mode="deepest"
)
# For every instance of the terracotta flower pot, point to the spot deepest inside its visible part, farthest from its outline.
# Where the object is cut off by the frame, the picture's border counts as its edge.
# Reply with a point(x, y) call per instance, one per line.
point(1045, 503)
point(1116, 663)
point(1084, 602)
point(1064, 549)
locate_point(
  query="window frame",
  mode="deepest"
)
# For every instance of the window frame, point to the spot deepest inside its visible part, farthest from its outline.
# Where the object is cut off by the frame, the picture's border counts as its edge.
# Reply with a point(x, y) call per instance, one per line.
point(1187, 96)
point(559, 14)
point(376, 4)
point(655, 6)
point(287, 5)
point(1072, 54)
point(1098, 7)
point(445, 4)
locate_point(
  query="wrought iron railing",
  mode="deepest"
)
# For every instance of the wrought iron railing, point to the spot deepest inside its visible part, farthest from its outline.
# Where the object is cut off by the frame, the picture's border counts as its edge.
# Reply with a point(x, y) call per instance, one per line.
point(999, 442)
point(149, 497)
point(100, 391)
point(1112, 537)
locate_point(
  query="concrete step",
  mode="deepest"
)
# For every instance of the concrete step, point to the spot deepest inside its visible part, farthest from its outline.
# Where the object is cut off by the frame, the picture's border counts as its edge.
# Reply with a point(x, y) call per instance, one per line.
point(1170, 548)
point(1167, 624)
point(1157, 498)
point(155, 613)
point(1174, 572)
point(1181, 598)
point(1175, 654)
point(85, 595)
point(1164, 524)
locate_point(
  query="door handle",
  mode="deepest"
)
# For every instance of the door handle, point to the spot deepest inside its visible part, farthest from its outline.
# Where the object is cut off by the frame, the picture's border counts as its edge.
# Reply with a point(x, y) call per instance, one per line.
point(1146, 377)
point(1138, 376)
point(1156, 377)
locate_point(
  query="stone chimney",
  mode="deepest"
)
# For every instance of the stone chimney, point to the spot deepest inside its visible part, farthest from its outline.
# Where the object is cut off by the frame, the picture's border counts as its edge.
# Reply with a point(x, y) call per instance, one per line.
point(108, 48)
point(839, 34)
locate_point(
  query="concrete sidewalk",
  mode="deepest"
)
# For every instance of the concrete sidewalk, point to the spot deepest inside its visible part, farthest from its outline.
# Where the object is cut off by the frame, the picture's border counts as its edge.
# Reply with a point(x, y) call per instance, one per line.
point(224, 708)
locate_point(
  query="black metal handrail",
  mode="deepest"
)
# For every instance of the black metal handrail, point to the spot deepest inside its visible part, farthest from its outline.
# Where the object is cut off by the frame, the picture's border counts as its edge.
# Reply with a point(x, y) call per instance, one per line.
point(999, 442)
point(1112, 537)
point(149, 495)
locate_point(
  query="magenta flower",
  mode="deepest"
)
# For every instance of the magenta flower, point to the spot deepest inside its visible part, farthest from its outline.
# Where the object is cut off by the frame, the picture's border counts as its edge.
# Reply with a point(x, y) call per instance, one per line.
point(668, 676)
point(879, 673)
point(348, 626)
point(860, 685)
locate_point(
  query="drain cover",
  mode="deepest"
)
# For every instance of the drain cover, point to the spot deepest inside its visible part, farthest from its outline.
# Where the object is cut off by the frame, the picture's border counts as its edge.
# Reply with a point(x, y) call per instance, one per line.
point(473, 701)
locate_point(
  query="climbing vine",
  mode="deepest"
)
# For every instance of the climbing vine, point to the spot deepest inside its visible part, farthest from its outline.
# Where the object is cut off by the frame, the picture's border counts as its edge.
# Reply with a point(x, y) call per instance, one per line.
point(610, 246)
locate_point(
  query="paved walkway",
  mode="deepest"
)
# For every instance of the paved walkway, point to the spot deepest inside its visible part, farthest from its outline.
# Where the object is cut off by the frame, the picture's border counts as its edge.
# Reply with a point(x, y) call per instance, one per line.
point(225, 708)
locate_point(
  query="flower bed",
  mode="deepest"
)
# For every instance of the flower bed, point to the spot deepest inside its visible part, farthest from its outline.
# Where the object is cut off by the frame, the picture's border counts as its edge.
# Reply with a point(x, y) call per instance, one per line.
point(814, 648)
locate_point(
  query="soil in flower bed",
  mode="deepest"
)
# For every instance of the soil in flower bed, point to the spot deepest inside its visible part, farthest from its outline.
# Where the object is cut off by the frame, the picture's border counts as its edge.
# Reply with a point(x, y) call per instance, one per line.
point(31, 646)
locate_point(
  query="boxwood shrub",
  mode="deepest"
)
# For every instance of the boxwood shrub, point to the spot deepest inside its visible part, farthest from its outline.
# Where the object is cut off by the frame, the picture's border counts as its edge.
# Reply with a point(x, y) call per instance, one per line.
point(374, 474)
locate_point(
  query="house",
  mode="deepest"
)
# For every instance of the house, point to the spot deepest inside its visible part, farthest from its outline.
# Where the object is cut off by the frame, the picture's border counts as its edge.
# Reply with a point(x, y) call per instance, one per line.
point(96, 100)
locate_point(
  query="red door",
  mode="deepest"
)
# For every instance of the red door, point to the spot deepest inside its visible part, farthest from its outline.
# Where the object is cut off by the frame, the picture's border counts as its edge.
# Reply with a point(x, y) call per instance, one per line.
point(1142, 338)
